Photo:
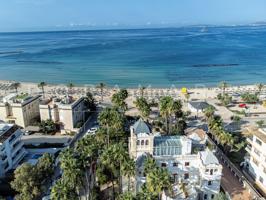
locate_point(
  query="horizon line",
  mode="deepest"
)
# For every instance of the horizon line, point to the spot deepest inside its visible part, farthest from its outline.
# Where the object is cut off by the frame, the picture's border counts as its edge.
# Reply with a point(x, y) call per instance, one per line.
point(70, 29)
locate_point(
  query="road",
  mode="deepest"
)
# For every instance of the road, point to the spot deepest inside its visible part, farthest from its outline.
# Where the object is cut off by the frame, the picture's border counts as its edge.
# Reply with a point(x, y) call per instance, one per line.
point(232, 186)
point(88, 125)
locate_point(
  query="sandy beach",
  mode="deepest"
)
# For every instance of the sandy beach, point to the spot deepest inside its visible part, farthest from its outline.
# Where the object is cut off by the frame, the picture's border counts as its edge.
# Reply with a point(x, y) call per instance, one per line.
point(196, 93)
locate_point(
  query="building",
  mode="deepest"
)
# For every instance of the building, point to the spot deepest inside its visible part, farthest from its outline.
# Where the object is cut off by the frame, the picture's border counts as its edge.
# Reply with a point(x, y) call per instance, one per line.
point(198, 137)
point(68, 112)
point(197, 106)
point(255, 159)
point(11, 147)
point(21, 109)
point(195, 176)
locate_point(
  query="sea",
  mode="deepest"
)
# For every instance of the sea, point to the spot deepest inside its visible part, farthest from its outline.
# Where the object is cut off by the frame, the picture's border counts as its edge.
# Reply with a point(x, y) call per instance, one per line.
point(162, 57)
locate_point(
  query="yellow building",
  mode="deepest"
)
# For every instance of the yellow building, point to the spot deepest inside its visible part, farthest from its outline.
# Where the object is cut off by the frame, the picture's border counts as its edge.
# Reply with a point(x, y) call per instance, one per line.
point(22, 109)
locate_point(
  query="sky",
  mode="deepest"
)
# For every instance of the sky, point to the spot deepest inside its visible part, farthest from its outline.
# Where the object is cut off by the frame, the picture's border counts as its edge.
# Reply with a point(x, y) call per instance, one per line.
point(18, 15)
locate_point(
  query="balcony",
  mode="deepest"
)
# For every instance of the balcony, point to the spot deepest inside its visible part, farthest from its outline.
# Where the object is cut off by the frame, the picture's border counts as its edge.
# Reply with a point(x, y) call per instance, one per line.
point(248, 148)
point(19, 157)
point(17, 147)
point(14, 138)
point(249, 140)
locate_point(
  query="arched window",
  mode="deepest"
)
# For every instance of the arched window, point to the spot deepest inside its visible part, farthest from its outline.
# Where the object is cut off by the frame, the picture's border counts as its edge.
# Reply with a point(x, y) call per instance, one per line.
point(142, 142)
point(137, 142)
point(147, 142)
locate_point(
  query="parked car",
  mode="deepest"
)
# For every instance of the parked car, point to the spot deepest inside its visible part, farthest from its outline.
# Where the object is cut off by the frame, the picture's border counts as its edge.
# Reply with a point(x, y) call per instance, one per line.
point(92, 130)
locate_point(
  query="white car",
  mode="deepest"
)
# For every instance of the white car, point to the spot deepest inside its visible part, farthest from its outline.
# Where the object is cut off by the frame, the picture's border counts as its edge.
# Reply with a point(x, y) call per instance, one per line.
point(92, 130)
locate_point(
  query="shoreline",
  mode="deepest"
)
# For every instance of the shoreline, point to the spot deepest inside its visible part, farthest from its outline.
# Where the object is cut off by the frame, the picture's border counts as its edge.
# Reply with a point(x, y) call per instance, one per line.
point(151, 93)
point(116, 86)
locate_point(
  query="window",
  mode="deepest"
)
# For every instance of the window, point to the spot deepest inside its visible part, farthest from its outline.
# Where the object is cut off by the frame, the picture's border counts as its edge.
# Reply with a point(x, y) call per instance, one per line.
point(261, 179)
point(207, 170)
point(186, 176)
point(138, 143)
point(256, 152)
point(211, 172)
point(258, 142)
point(175, 164)
point(215, 170)
point(209, 182)
point(142, 142)
point(212, 196)
point(205, 196)
point(164, 165)
point(186, 164)
point(147, 142)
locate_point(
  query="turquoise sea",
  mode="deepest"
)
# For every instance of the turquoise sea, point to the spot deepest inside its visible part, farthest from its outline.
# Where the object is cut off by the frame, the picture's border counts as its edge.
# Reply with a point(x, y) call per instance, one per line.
point(158, 57)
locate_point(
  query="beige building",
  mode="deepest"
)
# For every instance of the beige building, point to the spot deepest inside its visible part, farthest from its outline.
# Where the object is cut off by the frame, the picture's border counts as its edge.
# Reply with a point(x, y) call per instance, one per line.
point(68, 112)
point(20, 109)
point(255, 159)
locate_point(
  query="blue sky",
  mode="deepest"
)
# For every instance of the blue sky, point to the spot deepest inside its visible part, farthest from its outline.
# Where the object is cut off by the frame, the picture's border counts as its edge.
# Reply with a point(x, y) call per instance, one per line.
point(64, 14)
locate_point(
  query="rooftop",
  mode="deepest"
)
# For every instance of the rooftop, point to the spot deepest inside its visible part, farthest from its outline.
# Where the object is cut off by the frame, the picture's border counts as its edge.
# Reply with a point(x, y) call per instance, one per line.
point(167, 145)
point(199, 105)
point(208, 158)
point(141, 127)
point(6, 130)
point(17, 98)
point(67, 100)
point(260, 133)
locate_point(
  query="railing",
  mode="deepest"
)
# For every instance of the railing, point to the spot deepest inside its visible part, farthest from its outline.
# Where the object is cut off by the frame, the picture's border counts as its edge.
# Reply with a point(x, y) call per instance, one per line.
point(237, 173)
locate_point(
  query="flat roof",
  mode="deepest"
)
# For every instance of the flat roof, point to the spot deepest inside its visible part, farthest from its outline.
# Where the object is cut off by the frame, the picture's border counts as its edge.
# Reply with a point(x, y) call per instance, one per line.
point(6, 130)
point(259, 133)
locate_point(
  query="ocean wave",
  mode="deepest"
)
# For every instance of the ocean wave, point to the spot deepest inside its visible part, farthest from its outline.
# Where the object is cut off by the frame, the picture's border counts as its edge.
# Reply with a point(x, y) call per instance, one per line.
point(216, 65)
point(39, 62)
point(10, 52)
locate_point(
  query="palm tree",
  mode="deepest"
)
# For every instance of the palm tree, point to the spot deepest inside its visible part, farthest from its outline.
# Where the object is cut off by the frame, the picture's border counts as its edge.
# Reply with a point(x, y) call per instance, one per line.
point(118, 99)
point(143, 107)
point(260, 86)
point(72, 168)
point(42, 85)
point(101, 86)
point(158, 180)
point(113, 158)
point(209, 111)
point(61, 191)
point(149, 164)
point(70, 86)
point(88, 152)
point(127, 196)
point(187, 96)
point(16, 86)
point(129, 170)
point(223, 85)
point(168, 107)
point(110, 118)
point(142, 88)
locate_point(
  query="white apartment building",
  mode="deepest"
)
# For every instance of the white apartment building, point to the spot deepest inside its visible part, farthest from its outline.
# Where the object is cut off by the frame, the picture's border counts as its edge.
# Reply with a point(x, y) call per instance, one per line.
point(11, 147)
point(68, 112)
point(20, 109)
point(255, 159)
point(195, 176)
